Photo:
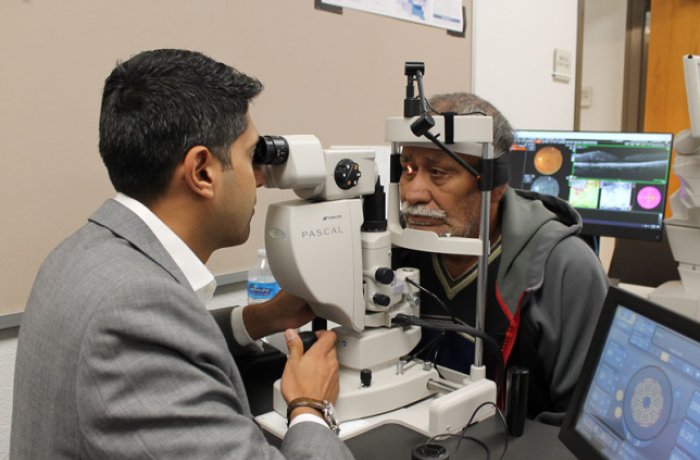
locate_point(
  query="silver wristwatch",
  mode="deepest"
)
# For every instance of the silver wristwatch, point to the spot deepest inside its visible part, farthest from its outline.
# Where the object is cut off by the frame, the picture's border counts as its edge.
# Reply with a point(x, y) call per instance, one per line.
point(324, 407)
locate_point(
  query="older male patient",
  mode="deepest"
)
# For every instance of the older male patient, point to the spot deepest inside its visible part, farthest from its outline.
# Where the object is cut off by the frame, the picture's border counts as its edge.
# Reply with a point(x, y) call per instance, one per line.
point(545, 285)
point(117, 355)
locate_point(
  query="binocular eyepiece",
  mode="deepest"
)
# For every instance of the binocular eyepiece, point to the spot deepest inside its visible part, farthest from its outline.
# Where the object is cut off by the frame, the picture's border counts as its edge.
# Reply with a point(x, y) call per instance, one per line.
point(271, 150)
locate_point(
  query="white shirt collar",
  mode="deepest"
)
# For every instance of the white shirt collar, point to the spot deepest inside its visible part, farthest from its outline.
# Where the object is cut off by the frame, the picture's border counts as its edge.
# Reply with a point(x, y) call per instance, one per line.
point(200, 278)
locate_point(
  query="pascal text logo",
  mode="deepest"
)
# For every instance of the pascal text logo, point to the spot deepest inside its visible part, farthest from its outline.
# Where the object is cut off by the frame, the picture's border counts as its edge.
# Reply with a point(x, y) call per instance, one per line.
point(321, 232)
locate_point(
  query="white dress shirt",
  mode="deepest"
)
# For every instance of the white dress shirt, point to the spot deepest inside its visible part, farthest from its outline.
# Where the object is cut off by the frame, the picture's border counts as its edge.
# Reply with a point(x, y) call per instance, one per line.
point(198, 275)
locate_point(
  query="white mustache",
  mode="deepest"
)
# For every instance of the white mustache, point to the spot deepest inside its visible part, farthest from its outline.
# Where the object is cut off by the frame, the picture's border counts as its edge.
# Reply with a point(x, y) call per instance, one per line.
point(420, 210)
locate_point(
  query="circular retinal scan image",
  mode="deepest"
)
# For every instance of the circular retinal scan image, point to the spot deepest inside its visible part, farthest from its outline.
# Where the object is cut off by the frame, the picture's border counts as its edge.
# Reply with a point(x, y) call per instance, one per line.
point(548, 160)
point(546, 185)
point(649, 197)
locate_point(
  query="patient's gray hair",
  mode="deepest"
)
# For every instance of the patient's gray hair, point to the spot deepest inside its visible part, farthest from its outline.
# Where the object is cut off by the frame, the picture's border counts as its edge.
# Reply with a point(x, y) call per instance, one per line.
point(464, 103)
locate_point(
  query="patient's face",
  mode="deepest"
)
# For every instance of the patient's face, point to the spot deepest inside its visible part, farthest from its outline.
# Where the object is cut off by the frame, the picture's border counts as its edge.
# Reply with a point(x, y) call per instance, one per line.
point(437, 194)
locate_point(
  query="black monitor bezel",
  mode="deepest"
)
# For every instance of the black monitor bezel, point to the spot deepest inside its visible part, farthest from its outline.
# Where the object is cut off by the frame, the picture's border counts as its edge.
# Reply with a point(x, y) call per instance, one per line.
point(616, 297)
point(611, 230)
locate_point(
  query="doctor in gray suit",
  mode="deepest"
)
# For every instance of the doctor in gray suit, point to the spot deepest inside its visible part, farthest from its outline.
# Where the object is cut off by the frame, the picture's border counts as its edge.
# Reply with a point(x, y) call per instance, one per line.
point(118, 356)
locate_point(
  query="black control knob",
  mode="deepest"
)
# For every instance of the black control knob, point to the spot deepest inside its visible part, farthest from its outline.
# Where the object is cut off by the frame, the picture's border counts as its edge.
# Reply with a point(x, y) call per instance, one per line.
point(366, 377)
point(347, 174)
point(384, 275)
point(308, 338)
point(381, 299)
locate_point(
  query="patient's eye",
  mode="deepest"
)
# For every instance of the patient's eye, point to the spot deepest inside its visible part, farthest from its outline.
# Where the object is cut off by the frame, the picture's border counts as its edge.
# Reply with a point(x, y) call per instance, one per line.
point(437, 172)
point(409, 169)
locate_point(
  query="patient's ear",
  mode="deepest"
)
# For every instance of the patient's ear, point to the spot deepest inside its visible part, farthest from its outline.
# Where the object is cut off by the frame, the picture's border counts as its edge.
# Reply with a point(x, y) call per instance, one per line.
point(497, 193)
point(200, 169)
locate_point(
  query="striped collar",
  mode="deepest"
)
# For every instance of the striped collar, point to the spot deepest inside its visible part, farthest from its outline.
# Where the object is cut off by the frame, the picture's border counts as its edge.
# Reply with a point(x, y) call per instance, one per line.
point(453, 285)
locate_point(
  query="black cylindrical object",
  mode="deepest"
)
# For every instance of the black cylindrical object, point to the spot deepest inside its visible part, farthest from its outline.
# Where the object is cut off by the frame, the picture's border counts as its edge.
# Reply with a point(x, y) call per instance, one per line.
point(384, 275)
point(365, 377)
point(517, 382)
point(373, 210)
point(271, 150)
point(395, 168)
point(319, 324)
point(308, 338)
point(430, 452)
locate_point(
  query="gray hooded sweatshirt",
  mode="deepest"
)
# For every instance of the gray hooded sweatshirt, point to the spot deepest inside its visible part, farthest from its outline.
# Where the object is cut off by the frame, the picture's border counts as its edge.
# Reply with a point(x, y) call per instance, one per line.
point(555, 284)
point(546, 289)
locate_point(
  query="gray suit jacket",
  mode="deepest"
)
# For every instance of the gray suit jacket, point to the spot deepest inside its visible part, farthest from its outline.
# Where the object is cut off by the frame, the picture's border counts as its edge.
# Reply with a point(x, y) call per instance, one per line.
point(117, 358)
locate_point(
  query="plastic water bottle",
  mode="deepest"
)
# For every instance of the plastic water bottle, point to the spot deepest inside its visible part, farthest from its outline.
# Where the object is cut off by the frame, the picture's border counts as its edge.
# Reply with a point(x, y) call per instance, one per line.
point(261, 288)
point(261, 283)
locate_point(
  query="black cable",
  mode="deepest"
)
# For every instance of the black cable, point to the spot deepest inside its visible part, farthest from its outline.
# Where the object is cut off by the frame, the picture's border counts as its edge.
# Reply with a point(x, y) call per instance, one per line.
point(503, 421)
point(408, 320)
point(480, 334)
point(432, 109)
point(421, 92)
point(425, 347)
point(438, 347)
point(438, 338)
point(442, 436)
point(434, 139)
point(477, 441)
point(435, 297)
point(462, 435)
point(447, 311)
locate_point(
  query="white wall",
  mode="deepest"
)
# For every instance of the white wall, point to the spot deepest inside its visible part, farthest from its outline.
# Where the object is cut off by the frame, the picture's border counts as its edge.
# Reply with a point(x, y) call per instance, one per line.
point(604, 64)
point(514, 43)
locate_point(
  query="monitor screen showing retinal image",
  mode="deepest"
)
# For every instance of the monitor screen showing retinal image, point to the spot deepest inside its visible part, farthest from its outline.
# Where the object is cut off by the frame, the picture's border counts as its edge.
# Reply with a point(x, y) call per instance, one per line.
point(616, 181)
point(639, 395)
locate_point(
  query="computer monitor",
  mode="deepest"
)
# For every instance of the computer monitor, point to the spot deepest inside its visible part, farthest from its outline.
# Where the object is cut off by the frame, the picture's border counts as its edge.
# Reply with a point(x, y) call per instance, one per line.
point(638, 396)
point(616, 181)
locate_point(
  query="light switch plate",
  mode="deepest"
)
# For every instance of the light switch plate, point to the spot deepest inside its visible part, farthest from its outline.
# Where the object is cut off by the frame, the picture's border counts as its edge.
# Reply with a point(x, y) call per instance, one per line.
point(586, 97)
point(562, 66)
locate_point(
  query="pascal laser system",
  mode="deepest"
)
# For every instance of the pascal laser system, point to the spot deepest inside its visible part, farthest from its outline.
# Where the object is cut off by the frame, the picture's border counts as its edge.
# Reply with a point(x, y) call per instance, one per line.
point(332, 247)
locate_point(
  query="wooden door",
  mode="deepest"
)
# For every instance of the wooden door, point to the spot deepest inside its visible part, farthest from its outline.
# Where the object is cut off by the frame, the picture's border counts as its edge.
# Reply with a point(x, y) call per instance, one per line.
point(675, 32)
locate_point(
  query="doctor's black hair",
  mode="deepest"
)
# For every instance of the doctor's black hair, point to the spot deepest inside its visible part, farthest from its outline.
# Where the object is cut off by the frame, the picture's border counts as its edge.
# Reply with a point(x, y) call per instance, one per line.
point(159, 104)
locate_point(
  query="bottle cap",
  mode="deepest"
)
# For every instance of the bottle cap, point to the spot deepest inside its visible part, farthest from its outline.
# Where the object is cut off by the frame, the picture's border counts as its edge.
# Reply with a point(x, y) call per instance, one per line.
point(262, 252)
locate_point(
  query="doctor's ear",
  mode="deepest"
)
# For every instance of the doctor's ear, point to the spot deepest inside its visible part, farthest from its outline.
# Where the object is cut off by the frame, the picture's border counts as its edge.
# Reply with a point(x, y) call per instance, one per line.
point(199, 166)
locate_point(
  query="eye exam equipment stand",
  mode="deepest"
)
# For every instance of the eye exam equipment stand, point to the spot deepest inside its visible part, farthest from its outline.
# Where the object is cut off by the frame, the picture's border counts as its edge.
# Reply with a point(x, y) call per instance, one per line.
point(332, 247)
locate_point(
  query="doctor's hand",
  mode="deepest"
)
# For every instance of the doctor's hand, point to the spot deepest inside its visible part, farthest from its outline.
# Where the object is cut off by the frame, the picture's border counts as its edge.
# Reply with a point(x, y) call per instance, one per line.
point(313, 374)
point(284, 311)
point(291, 311)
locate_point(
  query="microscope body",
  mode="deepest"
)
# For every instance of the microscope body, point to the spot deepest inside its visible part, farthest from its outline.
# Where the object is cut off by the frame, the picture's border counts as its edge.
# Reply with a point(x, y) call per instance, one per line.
point(317, 251)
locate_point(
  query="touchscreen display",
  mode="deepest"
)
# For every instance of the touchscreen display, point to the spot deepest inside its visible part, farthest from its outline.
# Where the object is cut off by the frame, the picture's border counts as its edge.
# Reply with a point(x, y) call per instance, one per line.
point(644, 399)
